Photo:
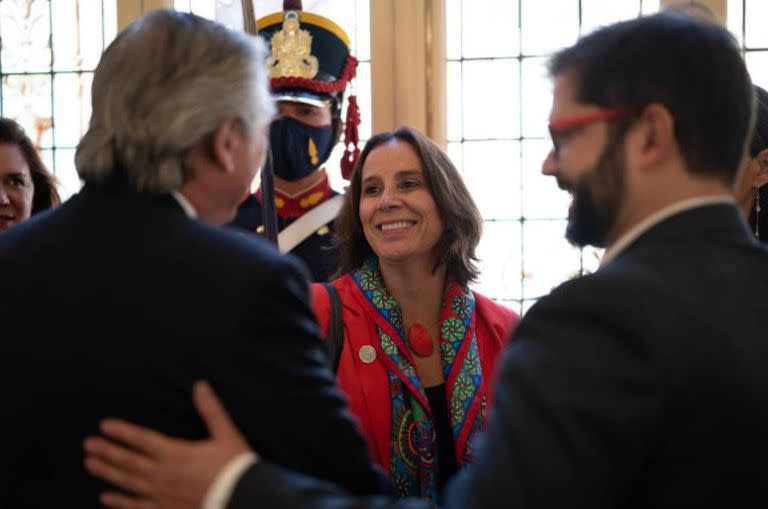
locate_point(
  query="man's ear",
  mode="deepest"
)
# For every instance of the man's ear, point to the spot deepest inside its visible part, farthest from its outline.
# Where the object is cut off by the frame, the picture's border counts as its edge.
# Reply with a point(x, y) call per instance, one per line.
point(655, 135)
point(761, 178)
point(227, 137)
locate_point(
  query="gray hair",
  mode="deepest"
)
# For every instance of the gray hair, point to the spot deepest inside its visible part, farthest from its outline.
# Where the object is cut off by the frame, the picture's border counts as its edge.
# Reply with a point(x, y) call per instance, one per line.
point(165, 84)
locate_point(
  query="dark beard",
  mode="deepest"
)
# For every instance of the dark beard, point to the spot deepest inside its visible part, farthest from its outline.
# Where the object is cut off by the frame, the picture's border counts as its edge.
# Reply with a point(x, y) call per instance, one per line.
point(597, 198)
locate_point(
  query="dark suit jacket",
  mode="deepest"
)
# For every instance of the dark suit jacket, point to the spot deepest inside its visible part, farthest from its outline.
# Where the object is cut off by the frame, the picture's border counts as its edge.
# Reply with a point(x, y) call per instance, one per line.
point(115, 303)
point(642, 385)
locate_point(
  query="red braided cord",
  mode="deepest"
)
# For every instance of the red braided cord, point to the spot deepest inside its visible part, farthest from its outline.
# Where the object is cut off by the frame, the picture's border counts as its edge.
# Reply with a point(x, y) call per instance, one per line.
point(321, 87)
point(351, 139)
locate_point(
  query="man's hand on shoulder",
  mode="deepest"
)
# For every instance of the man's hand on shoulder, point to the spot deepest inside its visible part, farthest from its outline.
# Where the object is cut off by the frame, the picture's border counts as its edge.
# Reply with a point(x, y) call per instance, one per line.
point(161, 472)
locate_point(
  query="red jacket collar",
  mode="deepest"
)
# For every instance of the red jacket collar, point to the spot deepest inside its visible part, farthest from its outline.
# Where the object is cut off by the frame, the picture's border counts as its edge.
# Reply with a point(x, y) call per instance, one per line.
point(288, 206)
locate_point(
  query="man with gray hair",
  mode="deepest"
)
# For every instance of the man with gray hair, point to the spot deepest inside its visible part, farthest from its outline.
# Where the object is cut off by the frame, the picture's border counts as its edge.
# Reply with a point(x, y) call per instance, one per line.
point(122, 297)
point(642, 385)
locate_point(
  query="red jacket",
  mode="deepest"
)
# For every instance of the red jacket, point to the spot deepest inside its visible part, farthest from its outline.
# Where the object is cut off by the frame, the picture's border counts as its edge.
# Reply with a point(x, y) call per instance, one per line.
point(366, 385)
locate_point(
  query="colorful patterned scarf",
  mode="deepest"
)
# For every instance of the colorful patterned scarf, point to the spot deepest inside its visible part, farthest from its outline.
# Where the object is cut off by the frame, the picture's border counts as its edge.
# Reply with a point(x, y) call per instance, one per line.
point(413, 460)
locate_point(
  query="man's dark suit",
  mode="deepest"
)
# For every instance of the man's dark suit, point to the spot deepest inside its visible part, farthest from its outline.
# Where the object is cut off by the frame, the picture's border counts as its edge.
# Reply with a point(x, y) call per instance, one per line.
point(116, 304)
point(642, 385)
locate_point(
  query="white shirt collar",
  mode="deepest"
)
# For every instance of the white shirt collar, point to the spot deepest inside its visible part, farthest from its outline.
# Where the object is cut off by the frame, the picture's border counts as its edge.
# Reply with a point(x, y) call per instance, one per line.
point(185, 204)
point(629, 237)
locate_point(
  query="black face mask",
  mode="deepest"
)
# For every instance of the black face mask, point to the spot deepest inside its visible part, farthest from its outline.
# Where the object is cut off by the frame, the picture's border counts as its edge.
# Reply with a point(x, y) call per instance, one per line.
point(298, 149)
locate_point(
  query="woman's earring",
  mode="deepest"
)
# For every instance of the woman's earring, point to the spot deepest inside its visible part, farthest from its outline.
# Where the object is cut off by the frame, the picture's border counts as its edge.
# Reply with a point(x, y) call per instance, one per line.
point(757, 212)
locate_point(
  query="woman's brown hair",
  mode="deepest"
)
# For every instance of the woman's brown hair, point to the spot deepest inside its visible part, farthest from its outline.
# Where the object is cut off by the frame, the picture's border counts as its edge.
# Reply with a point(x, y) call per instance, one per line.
point(45, 194)
point(462, 220)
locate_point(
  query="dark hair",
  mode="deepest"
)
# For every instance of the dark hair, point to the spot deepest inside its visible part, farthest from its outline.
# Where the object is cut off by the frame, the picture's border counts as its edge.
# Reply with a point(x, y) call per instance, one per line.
point(691, 67)
point(461, 218)
point(758, 144)
point(760, 134)
point(45, 194)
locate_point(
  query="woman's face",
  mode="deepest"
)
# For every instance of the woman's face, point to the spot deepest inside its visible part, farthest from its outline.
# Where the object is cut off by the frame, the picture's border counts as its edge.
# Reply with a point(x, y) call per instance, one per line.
point(399, 216)
point(16, 187)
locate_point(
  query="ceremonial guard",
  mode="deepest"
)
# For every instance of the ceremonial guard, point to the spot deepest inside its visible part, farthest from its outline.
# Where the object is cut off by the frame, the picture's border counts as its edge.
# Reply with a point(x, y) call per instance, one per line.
point(310, 67)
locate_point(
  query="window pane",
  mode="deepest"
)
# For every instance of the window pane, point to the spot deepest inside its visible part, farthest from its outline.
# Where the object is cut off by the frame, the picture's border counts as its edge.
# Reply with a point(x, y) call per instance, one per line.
point(495, 102)
point(182, 5)
point(46, 155)
point(499, 254)
point(527, 304)
point(514, 305)
point(27, 100)
point(203, 8)
point(537, 94)
point(735, 18)
point(25, 27)
point(362, 40)
point(490, 28)
point(53, 104)
point(542, 199)
point(549, 26)
point(455, 153)
point(362, 87)
point(596, 13)
point(455, 106)
point(453, 29)
point(69, 181)
point(491, 106)
point(492, 174)
point(72, 107)
point(77, 35)
point(757, 64)
point(649, 6)
point(756, 36)
point(548, 259)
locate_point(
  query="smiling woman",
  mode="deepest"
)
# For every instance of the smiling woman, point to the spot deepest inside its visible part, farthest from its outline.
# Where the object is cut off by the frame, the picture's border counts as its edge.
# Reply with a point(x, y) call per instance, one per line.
point(26, 186)
point(399, 217)
point(419, 348)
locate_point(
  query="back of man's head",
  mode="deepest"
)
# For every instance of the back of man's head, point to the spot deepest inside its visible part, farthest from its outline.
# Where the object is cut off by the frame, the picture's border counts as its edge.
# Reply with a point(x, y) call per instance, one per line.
point(164, 85)
point(691, 67)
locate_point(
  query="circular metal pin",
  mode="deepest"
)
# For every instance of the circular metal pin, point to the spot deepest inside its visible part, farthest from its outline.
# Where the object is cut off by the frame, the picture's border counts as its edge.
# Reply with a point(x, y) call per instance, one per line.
point(367, 354)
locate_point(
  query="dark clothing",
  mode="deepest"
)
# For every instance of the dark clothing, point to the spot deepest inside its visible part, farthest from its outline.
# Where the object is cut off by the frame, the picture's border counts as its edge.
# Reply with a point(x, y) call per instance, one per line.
point(446, 453)
point(316, 251)
point(644, 384)
point(117, 302)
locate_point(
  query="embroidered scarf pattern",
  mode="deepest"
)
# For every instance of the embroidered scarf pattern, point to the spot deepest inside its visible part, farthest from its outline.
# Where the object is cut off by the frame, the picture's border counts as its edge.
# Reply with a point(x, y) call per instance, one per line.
point(413, 456)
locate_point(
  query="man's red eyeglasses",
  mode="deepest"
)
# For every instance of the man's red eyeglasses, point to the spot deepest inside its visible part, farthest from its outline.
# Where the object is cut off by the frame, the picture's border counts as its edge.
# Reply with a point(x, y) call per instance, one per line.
point(563, 127)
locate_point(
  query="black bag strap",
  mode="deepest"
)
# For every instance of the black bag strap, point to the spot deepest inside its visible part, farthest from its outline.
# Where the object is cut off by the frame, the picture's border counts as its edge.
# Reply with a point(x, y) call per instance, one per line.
point(334, 341)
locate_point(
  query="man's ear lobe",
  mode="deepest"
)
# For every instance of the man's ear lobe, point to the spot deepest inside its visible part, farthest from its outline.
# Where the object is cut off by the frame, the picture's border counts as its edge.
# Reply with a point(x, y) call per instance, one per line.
point(653, 137)
point(223, 143)
point(660, 128)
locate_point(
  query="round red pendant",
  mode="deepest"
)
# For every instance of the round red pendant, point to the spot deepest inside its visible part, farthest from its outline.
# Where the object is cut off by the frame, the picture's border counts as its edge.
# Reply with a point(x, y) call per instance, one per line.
point(420, 341)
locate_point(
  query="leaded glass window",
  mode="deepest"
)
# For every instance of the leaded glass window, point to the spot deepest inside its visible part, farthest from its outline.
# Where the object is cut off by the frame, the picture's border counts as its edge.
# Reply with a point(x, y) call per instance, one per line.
point(498, 103)
point(745, 21)
point(50, 49)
